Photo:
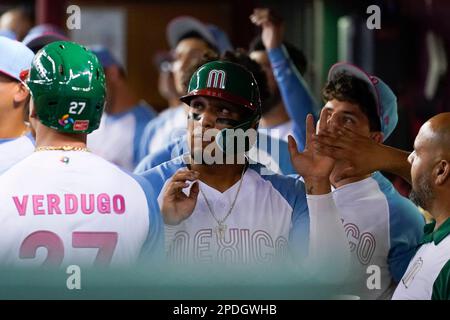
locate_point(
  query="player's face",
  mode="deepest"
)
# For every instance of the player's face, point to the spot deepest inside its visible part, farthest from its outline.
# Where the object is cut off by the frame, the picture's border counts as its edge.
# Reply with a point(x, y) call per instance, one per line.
point(262, 59)
point(344, 113)
point(8, 88)
point(422, 162)
point(274, 99)
point(187, 52)
point(207, 113)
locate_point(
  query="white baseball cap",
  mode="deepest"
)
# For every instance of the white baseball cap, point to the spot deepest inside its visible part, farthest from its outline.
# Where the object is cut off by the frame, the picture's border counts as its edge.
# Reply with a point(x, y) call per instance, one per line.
point(15, 57)
point(385, 99)
point(43, 34)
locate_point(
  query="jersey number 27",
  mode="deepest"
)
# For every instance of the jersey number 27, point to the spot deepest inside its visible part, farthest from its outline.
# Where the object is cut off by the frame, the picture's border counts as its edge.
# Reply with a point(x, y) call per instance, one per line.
point(105, 242)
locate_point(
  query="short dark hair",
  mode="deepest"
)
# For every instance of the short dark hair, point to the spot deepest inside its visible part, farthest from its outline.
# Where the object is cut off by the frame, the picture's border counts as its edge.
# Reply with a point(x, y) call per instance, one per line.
point(196, 35)
point(297, 56)
point(345, 87)
point(208, 56)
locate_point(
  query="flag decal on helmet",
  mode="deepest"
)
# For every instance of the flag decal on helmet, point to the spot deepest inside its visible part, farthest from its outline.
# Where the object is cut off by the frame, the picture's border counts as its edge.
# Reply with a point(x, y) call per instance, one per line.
point(216, 79)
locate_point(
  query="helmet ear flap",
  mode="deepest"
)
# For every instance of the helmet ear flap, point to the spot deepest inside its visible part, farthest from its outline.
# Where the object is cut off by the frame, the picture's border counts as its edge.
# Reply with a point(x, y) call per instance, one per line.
point(230, 141)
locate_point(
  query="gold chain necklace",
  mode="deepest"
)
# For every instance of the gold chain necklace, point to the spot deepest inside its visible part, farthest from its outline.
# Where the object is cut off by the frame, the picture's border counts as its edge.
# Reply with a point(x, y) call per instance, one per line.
point(221, 226)
point(62, 148)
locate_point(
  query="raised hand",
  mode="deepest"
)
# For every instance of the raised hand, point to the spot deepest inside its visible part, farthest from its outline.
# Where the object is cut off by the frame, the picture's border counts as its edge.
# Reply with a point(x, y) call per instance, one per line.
point(176, 205)
point(359, 155)
point(272, 27)
point(315, 168)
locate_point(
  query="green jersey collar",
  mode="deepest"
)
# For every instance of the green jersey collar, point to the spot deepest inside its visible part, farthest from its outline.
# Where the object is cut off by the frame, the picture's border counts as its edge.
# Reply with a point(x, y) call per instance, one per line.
point(438, 235)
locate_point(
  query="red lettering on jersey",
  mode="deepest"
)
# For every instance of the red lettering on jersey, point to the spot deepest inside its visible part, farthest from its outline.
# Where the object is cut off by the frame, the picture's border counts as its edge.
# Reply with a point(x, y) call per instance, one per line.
point(119, 204)
point(70, 203)
point(103, 203)
point(37, 204)
point(84, 208)
point(21, 206)
point(53, 204)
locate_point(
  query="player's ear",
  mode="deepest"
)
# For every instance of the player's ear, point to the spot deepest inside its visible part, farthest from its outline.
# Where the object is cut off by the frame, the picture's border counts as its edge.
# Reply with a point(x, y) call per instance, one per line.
point(21, 95)
point(441, 172)
point(377, 136)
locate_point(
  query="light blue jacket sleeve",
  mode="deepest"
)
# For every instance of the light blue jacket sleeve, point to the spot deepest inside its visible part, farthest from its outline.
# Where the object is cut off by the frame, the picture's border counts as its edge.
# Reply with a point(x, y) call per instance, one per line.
point(171, 151)
point(146, 138)
point(152, 251)
point(297, 98)
point(143, 116)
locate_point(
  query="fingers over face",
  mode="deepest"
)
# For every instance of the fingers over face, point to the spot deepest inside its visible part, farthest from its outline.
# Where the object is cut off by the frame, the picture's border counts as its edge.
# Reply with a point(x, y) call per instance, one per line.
point(310, 129)
point(323, 126)
point(330, 141)
point(292, 145)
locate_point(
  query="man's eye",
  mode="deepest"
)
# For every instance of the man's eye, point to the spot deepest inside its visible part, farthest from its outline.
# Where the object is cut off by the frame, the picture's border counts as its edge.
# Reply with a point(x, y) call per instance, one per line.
point(197, 106)
point(349, 120)
point(225, 111)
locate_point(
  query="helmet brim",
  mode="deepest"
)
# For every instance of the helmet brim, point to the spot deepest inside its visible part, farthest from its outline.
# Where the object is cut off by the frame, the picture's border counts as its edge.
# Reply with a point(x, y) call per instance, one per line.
point(219, 94)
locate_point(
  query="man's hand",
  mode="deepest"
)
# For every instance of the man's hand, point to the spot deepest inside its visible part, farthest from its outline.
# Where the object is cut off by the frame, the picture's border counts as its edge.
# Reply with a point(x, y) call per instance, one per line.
point(312, 166)
point(360, 155)
point(272, 27)
point(177, 206)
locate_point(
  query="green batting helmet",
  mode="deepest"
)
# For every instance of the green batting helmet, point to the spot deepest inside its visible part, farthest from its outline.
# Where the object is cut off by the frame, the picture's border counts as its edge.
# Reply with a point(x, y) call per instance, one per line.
point(225, 80)
point(67, 84)
point(233, 83)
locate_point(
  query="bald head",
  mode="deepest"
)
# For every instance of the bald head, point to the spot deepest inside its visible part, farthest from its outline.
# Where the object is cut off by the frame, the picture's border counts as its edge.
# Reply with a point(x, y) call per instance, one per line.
point(430, 165)
point(436, 133)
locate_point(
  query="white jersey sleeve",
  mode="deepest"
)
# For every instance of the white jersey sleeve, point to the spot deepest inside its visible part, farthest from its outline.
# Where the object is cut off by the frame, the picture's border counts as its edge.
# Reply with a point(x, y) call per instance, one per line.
point(328, 244)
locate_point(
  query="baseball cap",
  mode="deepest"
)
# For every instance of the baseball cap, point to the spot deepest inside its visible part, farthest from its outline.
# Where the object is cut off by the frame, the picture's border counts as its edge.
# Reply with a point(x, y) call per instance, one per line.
point(43, 34)
point(105, 56)
point(180, 26)
point(15, 57)
point(8, 34)
point(385, 99)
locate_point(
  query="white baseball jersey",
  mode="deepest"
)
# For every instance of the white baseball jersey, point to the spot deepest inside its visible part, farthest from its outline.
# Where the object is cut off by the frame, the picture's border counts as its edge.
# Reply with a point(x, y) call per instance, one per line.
point(71, 207)
point(383, 229)
point(14, 150)
point(269, 214)
point(118, 137)
point(428, 274)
